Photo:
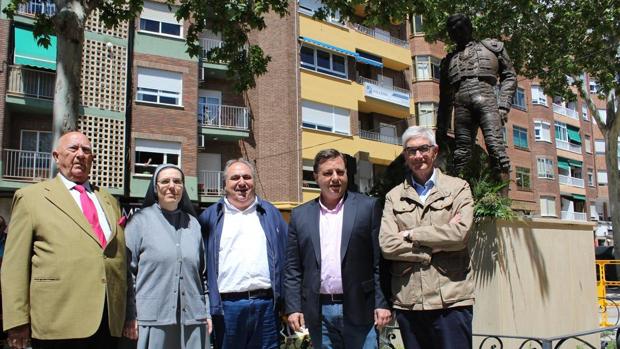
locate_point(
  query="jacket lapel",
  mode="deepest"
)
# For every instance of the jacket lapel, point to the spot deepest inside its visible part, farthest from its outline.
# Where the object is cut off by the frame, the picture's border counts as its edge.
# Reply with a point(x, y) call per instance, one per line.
point(348, 219)
point(315, 228)
point(59, 196)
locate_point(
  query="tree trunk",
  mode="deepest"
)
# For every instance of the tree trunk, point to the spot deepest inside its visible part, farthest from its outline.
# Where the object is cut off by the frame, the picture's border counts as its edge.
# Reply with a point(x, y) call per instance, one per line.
point(69, 23)
point(613, 175)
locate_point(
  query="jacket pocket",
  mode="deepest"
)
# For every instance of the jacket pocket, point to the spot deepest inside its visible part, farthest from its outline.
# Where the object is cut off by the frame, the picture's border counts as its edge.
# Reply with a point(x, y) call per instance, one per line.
point(45, 278)
point(196, 307)
point(148, 308)
point(405, 214)
point(454, 276)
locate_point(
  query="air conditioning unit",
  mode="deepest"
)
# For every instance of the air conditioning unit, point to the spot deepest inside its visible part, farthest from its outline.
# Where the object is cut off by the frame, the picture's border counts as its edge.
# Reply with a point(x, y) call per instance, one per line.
point(201, 141)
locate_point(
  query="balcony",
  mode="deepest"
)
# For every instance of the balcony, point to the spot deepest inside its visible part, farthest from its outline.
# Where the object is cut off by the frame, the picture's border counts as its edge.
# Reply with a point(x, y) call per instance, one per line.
point(223, 116)
point(209, 44)
point(376, 136)
point(380, 34)
point(391, 94)
point(31, 83)
point(33, 8)
point(562, 110)
point(564, 145)
point(210, 183)
point(572, 181)
point(573, 216)
point(26, 166)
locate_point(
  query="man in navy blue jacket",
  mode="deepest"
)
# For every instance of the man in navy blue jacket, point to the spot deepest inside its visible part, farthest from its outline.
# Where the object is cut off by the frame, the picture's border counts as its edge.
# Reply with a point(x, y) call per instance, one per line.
point(246, 252)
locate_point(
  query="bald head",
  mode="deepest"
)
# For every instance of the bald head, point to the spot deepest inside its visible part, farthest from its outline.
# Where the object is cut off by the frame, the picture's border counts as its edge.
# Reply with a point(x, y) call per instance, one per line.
point(74, 156)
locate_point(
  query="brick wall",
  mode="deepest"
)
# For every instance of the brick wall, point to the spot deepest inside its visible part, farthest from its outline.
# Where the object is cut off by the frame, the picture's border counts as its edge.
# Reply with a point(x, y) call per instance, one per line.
point(168, 123)
point(4, 47)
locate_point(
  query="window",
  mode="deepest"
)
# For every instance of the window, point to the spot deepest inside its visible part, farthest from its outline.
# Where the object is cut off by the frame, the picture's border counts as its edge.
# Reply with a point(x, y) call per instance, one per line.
point(588, 144)
point(308, 175)
point(36, 149)
point(157, 18)
point(523, 178)
point(151, 83)
point(417, 25)
point(427, 68)
point(504, 138)
point(545, 168)
point(323, 61)
point(601, 178)
point(151, 153)
point(590, 177)
point(584, 111)
point(599, 146)
point(602, 113)
point(547, 206)
point(593, 86)
point(325, 117)
point(427, 114)
point(519, 135)
point(542, 131)
point(519, 99)
point(538, 96)
point(561, 131)
point(309, 7)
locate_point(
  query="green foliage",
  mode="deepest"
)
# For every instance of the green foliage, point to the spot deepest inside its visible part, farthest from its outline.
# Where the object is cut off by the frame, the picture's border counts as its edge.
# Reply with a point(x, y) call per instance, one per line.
point(233, 19)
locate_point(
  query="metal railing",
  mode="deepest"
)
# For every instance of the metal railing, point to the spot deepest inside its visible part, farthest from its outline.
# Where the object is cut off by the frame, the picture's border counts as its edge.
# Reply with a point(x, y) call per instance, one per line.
point(362, 80)
point(223, 116)
point(210, 183)
point(25, 165)
point(572, 181)
point(380, 35)
point(209, 44)
point(562, 110)
point(497, 341)
point(31, 82)
point(564, 145)
point(33, 8)
point(573, 216)
point(376, 136)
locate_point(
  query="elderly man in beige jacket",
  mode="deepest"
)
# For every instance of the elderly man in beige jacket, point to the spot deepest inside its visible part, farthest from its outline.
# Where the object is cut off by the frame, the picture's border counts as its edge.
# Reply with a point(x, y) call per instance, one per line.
point(424, 233)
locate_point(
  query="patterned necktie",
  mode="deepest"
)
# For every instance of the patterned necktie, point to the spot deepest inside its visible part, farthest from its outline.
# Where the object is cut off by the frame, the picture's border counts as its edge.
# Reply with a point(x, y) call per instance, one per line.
point(88, 207)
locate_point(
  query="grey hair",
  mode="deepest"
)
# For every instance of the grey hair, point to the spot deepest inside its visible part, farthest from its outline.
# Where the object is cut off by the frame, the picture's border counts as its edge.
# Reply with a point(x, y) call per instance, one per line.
point(241, 160)
point(417, 132)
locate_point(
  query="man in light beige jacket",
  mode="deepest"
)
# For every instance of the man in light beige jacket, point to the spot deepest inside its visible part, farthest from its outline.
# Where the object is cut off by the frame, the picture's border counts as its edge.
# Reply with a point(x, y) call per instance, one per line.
point(64, 276)
point(424, 233)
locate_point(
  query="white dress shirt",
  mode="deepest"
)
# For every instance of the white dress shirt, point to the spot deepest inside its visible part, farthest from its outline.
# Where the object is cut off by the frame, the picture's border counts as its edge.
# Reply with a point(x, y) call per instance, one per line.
point(103, 221)
point(243, 261)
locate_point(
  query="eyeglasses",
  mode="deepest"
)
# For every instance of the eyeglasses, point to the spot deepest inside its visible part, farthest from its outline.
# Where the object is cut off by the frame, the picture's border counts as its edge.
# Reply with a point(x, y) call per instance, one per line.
point(178, 182)
point(423, 149)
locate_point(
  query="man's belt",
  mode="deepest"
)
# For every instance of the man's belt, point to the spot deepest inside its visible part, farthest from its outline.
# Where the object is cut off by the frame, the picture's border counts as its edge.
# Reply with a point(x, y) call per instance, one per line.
point(265, 293)
point(332, 298)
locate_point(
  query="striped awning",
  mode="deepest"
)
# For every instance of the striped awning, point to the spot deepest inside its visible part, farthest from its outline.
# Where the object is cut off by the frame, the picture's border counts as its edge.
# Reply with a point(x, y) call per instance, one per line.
point(28, 52)
point(573, 134)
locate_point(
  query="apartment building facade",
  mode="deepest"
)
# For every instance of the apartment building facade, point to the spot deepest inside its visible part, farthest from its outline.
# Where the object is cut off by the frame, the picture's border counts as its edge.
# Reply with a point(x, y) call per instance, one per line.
point(144, 101)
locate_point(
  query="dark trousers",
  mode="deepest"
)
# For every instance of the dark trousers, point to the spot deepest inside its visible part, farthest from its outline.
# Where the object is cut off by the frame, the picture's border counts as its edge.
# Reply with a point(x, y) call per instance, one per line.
point(436, 329)
point(101, 339)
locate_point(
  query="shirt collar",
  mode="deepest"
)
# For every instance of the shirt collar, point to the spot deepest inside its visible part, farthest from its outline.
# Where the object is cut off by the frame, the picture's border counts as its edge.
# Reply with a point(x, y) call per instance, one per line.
point(232, 208)
point(70, 185)
point(429, 184)
point(336, 209)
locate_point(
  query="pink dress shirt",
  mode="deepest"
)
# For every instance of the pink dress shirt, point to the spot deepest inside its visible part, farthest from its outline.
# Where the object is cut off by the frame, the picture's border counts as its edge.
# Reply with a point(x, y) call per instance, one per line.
point(330, 227)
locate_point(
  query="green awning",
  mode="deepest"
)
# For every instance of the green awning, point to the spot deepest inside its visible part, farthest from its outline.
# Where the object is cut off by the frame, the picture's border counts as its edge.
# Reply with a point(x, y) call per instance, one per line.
point(28, 52)
point(573, 134)
point(579, 197)
point(563, 164)
point(574, 163)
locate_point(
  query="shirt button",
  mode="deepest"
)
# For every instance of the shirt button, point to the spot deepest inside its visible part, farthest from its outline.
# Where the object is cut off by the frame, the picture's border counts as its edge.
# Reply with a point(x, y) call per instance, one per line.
point(177, 245)
point(181, 277)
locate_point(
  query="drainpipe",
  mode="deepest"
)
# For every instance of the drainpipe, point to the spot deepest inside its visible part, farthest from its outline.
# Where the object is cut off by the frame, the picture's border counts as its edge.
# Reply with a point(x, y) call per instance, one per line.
point(128, 109)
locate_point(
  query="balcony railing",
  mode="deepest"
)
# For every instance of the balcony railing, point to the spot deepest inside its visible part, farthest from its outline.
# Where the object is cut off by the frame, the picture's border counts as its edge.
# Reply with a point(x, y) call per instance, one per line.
point(211, 183)
point(380, 34)
point(376, 136)
point(33, 8)
point(223, 116)
point(562, 110)
point(564, 145)
point(572, 181)
point(209, 44)
point(31, 82)
point(573, 216)
point(25, 165)
point(362, 80)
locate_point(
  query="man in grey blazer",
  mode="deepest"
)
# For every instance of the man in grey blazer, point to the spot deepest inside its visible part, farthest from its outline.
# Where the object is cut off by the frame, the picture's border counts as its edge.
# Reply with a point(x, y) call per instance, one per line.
point(332, 282)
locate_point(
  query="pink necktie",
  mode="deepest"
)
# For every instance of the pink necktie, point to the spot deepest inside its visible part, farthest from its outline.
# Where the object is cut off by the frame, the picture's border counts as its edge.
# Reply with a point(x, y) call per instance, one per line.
point(88, 207)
